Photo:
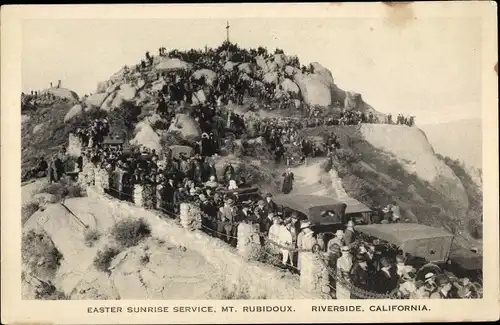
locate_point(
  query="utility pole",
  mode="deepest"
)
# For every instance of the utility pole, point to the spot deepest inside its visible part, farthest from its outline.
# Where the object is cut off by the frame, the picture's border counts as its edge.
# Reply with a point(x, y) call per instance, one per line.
point(227, 32)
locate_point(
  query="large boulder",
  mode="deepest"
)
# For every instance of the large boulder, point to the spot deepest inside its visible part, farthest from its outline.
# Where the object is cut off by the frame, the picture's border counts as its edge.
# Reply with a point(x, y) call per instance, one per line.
point(126, 92)
point(246, 68)
point(290, 86)
point(314, 90)
point(186, 126)
point(73, 112)
point(62, 93)
point(291, 71)
point(352, 100)
point(199, 97)
point(280, 60)
point(270, 78)
point(146, 136)
point(95, 100)
point(229, 66)
point(323, 72)
point(172, 64)
point(208, 74)
point(261, 62)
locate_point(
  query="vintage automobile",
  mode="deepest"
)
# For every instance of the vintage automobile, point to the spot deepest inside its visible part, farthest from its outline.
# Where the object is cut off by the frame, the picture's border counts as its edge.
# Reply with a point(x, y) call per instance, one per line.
point(313, 208)
point(428, 249)
point(420, 241)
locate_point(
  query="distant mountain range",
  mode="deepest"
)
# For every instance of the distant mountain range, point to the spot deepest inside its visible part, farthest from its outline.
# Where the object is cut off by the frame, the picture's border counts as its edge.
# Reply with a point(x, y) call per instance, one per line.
point(460, 140)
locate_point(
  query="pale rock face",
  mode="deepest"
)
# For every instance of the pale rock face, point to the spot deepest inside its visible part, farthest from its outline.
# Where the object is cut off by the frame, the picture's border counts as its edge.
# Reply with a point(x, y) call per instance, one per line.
point(290, 86)
point(271, 66)
point(62, 93)
point(280, 60)
point(199, 97)
point(146, 136)
point(246, 67)
point(186, 125)
point(229, 66)
point(290, 71)
point(323, 72)
point(314, 90)
point(126, 92)
point(73, 112)
point(209, 75)
point(271, 78)
point(261, 62)
point(95, 100)
point(415, 154)
point(172, 64)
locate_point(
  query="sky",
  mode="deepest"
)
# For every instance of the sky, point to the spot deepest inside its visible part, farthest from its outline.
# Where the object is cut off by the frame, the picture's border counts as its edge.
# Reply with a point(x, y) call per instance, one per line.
point(430, 67)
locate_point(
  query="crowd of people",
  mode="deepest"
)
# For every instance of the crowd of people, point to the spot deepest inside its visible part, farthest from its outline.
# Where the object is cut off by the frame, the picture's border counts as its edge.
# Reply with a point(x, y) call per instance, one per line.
point(169, 179)
point(401, 120)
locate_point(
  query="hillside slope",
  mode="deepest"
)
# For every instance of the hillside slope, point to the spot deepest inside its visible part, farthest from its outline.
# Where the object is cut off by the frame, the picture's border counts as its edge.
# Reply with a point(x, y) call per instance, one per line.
point(380, 164)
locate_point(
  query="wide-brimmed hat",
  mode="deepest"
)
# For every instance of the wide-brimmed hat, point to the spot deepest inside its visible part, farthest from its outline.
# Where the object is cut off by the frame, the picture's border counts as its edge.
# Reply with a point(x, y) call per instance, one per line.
point(305, 225)
point(345, 249)
point(339, 232)
point(429, 276)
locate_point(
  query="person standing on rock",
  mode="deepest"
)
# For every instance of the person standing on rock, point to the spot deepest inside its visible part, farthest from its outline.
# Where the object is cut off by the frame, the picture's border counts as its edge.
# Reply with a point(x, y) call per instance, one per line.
point(287, 181)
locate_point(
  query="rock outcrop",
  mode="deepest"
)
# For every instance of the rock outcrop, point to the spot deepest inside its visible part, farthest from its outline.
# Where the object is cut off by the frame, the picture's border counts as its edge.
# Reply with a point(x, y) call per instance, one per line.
point(146, 136)
point(73, 112)
point(186, 126)
point(172, 64)
point(412, 150)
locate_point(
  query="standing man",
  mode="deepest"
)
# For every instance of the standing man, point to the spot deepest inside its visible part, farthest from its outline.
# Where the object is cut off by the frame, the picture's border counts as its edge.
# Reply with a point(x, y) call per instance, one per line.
point(349, 235)
point(287, 181)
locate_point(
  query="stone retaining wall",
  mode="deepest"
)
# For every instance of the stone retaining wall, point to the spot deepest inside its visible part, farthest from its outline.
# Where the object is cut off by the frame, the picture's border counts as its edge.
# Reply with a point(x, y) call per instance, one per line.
point(259, 279)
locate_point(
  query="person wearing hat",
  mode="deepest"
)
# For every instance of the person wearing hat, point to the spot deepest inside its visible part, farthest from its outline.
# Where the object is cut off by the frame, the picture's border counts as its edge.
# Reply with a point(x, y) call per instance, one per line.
point(208, 214)
point(344, 266)
point(287, 239)
point(305, 240)
point(349, 234)
point(274, 235)
point(287, 181)
point(337, 240)
point(230, 225)
point(360, 275)
point(270, 206)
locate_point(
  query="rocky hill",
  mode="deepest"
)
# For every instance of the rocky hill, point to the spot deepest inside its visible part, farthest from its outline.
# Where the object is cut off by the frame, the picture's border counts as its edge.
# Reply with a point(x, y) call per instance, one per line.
point(378, 163)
